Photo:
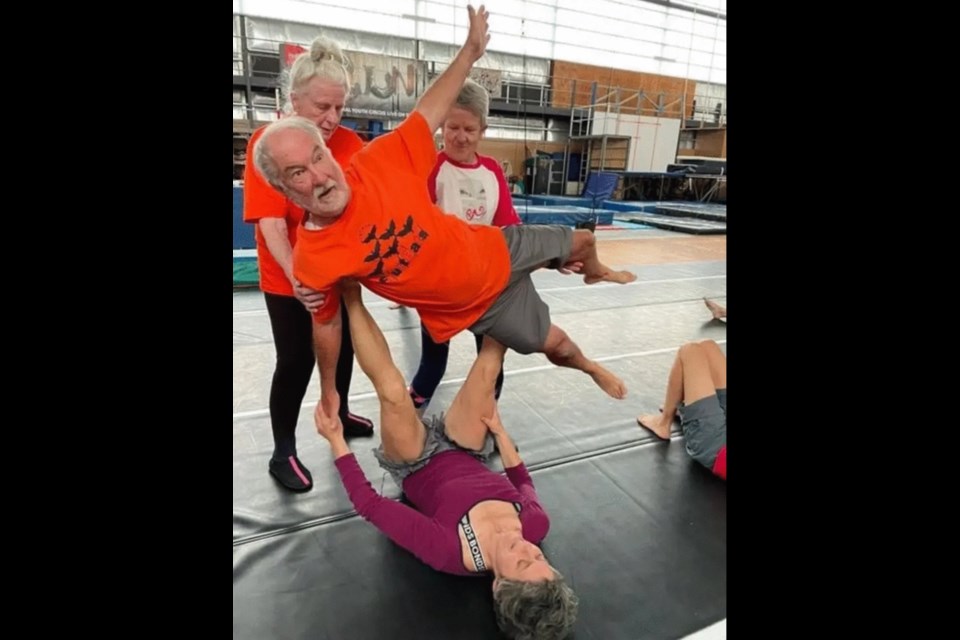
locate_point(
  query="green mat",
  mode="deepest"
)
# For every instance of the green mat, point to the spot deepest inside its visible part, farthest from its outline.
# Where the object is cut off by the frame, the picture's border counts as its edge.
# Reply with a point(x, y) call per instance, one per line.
point(245, 272)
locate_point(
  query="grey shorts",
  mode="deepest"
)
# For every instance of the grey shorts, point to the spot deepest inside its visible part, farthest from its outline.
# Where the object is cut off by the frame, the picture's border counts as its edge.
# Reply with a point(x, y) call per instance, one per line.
point(518, 318)
point(435, 442)
point(704, 425)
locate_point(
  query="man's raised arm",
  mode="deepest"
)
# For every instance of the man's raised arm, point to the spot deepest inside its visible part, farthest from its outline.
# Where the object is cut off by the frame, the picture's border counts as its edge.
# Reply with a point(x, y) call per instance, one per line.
point(436, 101)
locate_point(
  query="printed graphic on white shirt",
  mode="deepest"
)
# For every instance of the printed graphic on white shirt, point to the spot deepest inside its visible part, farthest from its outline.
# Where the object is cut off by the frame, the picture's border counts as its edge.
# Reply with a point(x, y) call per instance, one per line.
point(473, 198)
point(472, 194)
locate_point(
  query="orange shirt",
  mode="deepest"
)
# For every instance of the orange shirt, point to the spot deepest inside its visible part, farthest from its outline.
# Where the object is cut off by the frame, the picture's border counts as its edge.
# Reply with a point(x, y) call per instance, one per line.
point(397, 243)
point(260, 200)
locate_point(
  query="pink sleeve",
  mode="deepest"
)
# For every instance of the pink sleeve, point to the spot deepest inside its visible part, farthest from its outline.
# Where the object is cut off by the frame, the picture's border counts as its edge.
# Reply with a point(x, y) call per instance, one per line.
point(415, 532)
point(536, 522)
point(521, 479)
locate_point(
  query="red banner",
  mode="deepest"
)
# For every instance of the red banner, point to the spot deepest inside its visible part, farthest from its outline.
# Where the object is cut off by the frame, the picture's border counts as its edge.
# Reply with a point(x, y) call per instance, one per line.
point(289, 53)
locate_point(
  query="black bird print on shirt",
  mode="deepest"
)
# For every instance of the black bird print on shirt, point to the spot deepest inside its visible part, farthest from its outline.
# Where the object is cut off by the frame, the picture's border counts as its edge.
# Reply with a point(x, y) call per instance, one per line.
point(386, 235)
point(373, 254)
point(407, 227)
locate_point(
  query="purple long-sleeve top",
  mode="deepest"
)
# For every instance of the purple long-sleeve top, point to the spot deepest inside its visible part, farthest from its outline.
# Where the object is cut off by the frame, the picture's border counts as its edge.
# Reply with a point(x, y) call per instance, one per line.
point(443, 491)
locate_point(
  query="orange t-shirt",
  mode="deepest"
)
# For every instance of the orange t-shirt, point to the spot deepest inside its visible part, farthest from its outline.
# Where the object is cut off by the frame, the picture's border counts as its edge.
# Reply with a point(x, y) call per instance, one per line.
point(260, 200)
point(397, 243)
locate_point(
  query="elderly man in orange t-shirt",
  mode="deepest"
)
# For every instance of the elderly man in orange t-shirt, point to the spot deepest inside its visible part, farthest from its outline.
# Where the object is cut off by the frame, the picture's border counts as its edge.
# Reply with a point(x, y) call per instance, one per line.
point(376, 223)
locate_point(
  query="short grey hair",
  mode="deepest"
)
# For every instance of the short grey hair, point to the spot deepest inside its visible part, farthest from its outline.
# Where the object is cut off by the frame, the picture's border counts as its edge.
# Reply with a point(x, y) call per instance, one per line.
point(544, 610)
point(475, 99)
point(324, 60)
point(262, 159)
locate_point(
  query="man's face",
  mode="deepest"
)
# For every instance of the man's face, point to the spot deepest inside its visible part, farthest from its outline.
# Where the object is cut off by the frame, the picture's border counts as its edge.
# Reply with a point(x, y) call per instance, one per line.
point(309, 174)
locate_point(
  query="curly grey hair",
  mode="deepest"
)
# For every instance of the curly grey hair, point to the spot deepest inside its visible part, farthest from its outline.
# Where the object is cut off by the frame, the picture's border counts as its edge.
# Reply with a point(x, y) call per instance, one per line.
point(543, 610)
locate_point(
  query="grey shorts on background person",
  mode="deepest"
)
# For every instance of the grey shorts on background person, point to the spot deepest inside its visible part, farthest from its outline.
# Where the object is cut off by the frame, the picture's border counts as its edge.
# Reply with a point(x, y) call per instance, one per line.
point(704, 425)
point(518, 318)
point(435, 442)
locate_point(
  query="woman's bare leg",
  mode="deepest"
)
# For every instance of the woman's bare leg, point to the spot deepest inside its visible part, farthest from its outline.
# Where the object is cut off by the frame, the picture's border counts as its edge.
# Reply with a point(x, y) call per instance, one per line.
point(718, 363)
point(475, 399)
point(401, 431)
point(690, 380)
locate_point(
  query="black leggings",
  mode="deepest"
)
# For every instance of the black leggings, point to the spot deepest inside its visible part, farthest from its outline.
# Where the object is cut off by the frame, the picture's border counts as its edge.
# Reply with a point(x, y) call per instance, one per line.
point(293, 337)
point(433, 364)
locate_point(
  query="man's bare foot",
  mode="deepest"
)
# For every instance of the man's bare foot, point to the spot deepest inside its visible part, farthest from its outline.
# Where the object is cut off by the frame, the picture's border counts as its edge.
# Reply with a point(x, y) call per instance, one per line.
point(655, 424)
point(610, 383)
point(620, 277)
point(718, 312)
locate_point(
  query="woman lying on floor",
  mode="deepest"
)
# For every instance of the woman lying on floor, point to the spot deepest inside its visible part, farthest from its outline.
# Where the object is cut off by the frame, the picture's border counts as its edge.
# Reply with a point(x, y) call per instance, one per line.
point(466, 519)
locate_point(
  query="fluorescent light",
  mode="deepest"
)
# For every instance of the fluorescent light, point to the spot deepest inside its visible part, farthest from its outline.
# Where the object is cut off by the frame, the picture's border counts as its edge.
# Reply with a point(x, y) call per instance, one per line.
point(407, 16)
